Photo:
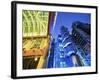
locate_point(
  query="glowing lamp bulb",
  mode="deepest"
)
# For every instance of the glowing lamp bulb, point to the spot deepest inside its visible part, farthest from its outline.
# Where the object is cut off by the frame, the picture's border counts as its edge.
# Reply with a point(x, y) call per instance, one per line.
point(36, 59)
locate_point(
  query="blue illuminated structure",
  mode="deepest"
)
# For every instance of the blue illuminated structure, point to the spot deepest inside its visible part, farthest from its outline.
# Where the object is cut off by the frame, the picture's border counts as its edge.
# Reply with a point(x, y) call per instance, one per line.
point(51, 54)
point(82, 37)
point(70, 45)
point(66, 51)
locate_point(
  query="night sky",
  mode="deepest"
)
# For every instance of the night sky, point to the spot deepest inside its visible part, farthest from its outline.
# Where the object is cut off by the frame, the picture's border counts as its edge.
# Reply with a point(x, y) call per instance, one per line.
point(66, 19)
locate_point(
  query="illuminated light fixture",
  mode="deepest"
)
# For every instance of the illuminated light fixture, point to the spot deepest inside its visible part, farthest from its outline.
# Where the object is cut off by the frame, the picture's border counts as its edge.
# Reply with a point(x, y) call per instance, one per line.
point(68, 43)
point(36, 59)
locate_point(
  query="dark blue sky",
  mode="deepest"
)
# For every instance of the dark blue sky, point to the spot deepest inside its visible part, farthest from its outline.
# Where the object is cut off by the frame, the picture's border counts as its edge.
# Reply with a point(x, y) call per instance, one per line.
point(66, 19)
